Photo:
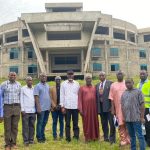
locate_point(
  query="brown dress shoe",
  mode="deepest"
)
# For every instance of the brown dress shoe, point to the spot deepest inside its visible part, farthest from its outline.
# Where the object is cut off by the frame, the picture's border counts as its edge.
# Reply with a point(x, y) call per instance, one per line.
point(7, 148)
point(14, 147)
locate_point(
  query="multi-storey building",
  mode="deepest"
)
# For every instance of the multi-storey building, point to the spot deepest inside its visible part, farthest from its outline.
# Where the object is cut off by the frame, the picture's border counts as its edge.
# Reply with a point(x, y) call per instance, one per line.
point(65, 37)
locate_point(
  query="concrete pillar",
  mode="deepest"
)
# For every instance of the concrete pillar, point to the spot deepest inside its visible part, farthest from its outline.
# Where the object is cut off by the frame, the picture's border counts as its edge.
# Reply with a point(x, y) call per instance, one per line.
point(82, 60)
point(106, 58)
point(4, 40)
point(90, 46)
point(47, 61)
point(37, 50)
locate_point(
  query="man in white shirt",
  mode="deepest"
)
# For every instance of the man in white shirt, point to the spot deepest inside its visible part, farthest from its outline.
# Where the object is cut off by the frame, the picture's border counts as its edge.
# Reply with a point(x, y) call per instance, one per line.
point(69, 104)
point(28, 112)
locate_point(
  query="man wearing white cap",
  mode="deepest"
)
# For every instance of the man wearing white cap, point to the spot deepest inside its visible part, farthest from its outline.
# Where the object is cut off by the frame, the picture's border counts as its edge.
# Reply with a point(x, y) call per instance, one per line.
point(88, 110)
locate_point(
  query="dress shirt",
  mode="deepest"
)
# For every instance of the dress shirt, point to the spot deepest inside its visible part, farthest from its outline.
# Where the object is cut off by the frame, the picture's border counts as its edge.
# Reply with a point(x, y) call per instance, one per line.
point(69, 94)
point(42, 91)
point(142, 83)
point(103, 84)
point(1, 104)
point(27, 100)
point(11, 92)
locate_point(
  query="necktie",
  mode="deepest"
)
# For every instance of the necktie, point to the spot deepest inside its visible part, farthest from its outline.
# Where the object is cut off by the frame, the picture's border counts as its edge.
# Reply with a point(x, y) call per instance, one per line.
point(101, 92)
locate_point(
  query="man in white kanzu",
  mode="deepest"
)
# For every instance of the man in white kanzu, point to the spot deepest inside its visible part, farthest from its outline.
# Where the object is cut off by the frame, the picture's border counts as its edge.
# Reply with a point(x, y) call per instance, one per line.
point(69, 104)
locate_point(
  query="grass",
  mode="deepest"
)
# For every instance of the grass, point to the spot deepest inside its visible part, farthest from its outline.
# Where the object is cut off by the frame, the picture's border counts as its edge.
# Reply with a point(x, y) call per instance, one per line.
point(63, 145)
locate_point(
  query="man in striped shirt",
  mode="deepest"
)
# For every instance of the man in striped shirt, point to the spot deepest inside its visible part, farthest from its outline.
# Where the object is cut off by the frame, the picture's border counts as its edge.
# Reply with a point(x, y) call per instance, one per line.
point(11, 98)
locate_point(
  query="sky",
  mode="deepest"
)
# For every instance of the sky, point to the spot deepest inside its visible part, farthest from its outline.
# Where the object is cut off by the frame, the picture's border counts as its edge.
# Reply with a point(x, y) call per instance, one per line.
point(133, 11)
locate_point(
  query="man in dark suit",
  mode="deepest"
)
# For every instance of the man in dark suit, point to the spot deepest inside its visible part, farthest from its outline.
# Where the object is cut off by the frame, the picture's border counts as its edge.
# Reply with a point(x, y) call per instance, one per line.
point(104, 108)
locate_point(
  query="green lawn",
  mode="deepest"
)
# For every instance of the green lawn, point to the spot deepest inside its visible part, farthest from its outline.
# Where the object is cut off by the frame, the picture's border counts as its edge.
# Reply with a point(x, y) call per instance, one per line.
point(63, 145)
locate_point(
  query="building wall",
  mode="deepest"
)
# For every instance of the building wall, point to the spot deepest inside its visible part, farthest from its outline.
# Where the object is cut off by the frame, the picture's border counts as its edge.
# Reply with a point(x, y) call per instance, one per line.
point(128, 57)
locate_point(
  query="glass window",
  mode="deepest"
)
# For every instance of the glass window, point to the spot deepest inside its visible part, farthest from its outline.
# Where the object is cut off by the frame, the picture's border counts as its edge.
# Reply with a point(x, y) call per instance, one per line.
point(66, 60)
point(97, 67)
point(64, 36)
point(64, 9)
point(142, 54)
point(114, 67)
point(30, 54)
point(25, 33)
point(32, 69)
point(96, 52)
point(14, 53)
point(13, 69)
point(147, 38)
point(119, 34)
point(114, 52)
point(12, 39)
point(143, 67)
point(102, 30)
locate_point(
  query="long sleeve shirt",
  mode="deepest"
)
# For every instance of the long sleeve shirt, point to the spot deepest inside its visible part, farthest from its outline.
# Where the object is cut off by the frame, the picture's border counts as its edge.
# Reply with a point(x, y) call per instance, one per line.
point(11, 92)
point(27, 100)
point(69, 94)
point(1, 104)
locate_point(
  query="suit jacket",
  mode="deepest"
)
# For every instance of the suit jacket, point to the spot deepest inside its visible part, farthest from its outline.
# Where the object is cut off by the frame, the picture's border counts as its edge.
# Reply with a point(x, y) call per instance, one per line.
point(106, 105)
point(53, 95)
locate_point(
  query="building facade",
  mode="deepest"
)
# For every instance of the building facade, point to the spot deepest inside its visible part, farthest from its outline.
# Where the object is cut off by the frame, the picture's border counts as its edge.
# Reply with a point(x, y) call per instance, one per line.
point(66, 37)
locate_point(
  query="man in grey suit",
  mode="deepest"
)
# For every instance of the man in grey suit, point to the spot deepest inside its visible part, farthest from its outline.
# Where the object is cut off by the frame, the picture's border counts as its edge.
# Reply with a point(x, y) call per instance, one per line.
point(104, 108)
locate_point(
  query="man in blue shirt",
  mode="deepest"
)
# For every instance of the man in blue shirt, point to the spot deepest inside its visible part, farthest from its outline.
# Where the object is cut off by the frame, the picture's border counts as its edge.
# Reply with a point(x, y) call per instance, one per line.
point(1, 106)
point(43, 104)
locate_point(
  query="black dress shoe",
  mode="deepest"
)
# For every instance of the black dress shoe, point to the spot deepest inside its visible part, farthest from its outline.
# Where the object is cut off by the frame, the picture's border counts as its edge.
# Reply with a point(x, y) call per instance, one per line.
point(112, 142)
point(106, 140)
point(68, 139)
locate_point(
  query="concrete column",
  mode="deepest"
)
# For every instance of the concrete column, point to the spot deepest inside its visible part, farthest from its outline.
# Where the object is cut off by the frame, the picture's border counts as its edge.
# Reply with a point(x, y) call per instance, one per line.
point(90, 46)
point(127, 59)
point(37, 49)
point(106, 58)
point(4, 40)
point(47, 61)
point(82, 61)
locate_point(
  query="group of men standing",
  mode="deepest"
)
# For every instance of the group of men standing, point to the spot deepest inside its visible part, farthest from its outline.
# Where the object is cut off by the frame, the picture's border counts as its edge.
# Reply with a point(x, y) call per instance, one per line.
point(117, 102)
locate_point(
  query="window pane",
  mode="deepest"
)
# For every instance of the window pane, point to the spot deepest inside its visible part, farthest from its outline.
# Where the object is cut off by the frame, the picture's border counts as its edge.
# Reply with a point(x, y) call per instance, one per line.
point(147, 38)
point(114, 67)
point(102, 30)
point(64, 36)
point(13, 69)
point(30, 54)
point(66, 60)
point(12, 39)
point(97, 67)
point(118, 34)
point(96, 52)
point(114, 52)
point(143, 67)
point(32, 69)
point(142, 54)
point(25, 33)
point(14, 53)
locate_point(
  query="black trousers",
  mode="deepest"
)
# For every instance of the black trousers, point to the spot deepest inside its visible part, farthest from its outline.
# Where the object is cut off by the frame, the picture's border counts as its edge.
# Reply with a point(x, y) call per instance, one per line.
point(147, 128)
point(28, 127)
point(71, 113)
point(107, 117)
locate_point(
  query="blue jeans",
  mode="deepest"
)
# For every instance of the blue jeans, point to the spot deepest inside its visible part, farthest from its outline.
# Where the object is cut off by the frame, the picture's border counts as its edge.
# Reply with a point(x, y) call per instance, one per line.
point(133, 129)
point(55, 116)
point(42, 119)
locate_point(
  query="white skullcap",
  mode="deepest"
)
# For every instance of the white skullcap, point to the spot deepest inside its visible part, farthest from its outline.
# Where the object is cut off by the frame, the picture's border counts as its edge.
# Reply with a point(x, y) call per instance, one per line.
point(88, 75)
point(57, 78)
